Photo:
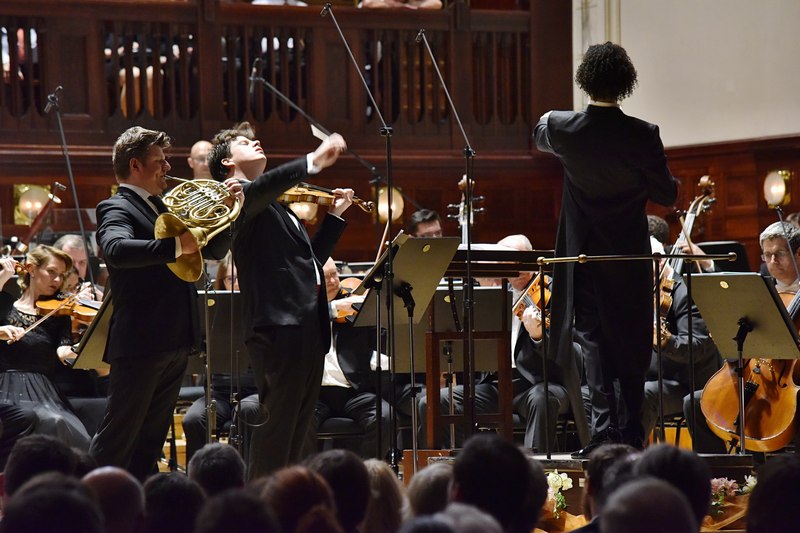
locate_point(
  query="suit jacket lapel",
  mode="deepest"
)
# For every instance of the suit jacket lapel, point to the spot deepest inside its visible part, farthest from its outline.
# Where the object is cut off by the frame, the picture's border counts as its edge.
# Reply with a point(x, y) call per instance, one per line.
point(293, 226)
point(139, 203)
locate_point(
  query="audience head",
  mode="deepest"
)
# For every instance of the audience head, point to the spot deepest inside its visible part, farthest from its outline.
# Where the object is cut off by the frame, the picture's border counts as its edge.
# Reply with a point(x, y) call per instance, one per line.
point(51, 502)
point(426, 524)
point(347, 477)
point(776, 252)
point(600, 462)
point(468, 519)
point(606, 73)
point(293, 492)
point(683, 469)
point(120, 498)
point(217, 467)
point(172, 503)
point(36, 454)
point(386, 498)
point(236, 511)
point(778, 480)
point(198, 160)
point(648, 504)
point(428, 491)
point(424, 223)
point(495, 476)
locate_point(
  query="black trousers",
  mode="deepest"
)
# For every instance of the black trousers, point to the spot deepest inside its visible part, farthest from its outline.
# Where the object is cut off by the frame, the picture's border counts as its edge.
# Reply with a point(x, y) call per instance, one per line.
point(142, 395)
point(287, 365)
point(361, 407)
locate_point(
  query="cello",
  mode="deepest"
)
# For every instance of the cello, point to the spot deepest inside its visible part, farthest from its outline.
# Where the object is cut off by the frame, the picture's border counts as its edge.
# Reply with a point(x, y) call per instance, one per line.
point(770, 397)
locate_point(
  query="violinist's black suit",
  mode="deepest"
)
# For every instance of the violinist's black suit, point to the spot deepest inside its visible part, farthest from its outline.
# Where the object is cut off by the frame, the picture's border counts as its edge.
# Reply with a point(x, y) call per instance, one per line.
point(286, 319)
point(613, 165)
point(154, 326)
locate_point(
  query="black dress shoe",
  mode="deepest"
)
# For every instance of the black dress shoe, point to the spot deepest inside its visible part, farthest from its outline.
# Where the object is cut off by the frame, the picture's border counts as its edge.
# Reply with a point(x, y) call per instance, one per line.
point(607, 436)
point(634, 436)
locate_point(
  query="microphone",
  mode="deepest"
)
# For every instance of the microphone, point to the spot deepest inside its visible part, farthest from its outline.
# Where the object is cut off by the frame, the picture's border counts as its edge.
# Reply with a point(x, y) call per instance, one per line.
point(254, 76)
point(52, 100)
point(419, 35)
point(324, 12)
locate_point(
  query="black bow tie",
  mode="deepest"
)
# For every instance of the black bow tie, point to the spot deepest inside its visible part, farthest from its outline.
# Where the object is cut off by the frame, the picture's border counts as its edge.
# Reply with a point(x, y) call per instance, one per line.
point(159, 203)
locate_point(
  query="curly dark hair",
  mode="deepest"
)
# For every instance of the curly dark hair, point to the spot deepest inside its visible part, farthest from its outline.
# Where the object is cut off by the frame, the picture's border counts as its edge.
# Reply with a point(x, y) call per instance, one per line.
point(606, 72)
point(221, 148)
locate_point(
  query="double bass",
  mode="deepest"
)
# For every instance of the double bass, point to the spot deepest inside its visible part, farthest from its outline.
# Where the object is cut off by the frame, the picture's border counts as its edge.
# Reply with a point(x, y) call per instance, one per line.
point(770, 397)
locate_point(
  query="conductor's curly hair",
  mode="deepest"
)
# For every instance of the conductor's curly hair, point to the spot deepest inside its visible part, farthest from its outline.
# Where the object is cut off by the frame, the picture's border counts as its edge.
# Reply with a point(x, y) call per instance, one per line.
point(606, 72)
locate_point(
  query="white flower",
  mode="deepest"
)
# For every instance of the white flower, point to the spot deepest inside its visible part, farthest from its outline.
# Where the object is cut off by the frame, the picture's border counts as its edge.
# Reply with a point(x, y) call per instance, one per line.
point(749, 484)
point(558, 482)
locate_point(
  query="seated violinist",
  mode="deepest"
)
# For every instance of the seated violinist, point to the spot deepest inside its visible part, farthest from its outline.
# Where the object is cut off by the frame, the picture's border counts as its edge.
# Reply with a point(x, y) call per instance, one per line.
point(675, 353)
point(78, 280)
point(348, 378)
point(28, 363)
point(528, 388)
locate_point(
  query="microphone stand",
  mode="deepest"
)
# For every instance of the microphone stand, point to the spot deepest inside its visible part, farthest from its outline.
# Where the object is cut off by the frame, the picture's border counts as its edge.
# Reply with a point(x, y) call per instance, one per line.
point(469, 155)
point(53, 103)
point(385, 132)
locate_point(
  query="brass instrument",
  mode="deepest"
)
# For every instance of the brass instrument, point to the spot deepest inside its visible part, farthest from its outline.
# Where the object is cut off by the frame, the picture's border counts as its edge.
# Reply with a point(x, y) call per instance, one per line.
point(196, 206)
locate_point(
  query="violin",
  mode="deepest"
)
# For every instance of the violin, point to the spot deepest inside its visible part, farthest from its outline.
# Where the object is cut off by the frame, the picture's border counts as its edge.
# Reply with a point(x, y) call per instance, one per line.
point(532, 296)
point(81, 311)
point(770, 398)
point(305, 192)
point(347, 286)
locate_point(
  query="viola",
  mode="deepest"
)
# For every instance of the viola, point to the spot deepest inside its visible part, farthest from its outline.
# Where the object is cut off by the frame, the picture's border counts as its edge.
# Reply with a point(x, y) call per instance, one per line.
point(305, 192)
point(770, 398)
point(80, 310)
point(532, 296)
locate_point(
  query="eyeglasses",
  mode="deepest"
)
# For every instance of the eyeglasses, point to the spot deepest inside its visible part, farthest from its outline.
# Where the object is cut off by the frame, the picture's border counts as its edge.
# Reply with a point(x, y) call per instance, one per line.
point(779, 256)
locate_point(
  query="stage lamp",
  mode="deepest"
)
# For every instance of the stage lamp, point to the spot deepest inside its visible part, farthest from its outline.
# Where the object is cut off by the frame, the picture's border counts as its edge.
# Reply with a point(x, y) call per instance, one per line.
point(383, 203)
point(777, 188)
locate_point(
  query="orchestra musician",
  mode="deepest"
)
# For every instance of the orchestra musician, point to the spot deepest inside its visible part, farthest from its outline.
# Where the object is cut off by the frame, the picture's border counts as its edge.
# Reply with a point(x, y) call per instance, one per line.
point(286, 319)
point(155, 322)
point(777, 242)
point(613, 165)
point(28, 363)
point(348, 380)
point(78, 281)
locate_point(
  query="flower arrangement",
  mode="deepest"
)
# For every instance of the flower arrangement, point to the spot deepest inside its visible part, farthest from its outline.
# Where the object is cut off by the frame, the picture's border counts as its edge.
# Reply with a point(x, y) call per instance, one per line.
point(556, 484)
point(722, 488)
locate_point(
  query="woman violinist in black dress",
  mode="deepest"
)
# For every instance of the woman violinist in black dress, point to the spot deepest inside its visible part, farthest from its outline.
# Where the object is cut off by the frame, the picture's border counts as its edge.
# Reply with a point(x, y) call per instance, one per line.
point(28, 362)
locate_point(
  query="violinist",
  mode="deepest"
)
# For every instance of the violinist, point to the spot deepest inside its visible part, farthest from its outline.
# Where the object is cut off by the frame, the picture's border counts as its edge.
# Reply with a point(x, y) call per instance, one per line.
point(78, 281)
point(286, 319)
point(675, 353)
point(28, 363)
point(529, 400)
point(348, 380)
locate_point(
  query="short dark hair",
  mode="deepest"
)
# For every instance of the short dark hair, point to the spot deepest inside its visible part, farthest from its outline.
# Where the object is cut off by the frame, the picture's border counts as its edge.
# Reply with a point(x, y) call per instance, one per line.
point(495, 476)
point(134, 143)
point(606, 72)
point(348, 478)
point(52, 502)
point(172, 502)
point(420, 217)
point(236, 510)
point(221, 148)
point(777, 481)
point(683, 469)
point(217, 467)
point(36, 454)
point(600, 462)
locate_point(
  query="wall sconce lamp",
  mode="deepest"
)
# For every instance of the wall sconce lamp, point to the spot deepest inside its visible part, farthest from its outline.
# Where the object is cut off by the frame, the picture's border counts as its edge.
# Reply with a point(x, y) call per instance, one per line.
point(30, 201)
point(777, 188)
point(383, 202)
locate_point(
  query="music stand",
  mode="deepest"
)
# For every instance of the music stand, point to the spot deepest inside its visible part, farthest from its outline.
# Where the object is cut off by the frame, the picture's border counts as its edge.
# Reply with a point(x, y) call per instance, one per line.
point(224, 339)
point(92, 347)
point(418, 265)
point(745, 306)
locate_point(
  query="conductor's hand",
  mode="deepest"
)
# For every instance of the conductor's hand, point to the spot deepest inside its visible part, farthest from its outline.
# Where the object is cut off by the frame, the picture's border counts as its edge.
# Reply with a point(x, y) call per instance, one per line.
point(328, 151)
point(343, 198)
point(234, 187)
